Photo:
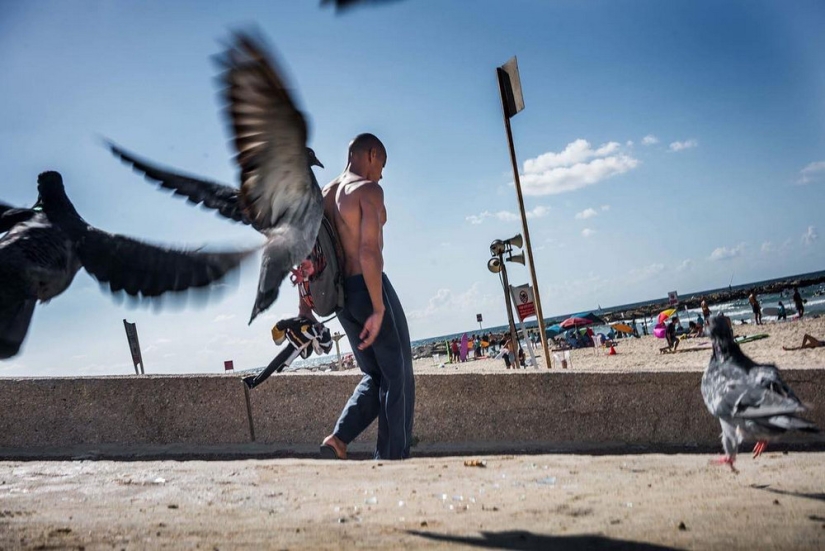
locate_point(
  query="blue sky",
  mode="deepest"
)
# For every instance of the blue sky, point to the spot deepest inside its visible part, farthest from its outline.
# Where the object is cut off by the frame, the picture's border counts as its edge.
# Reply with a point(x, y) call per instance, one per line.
point(664, 145)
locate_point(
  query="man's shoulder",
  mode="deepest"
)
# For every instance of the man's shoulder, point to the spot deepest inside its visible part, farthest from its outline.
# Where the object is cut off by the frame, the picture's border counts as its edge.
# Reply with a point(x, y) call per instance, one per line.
point(366, 189)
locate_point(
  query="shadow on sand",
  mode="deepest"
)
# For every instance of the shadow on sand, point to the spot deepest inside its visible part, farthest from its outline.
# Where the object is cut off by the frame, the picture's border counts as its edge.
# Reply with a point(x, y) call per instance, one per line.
point(523, 541)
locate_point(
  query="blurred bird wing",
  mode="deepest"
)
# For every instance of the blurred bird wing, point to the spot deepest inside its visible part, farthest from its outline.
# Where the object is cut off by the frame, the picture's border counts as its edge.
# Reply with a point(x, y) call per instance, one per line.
point(149, 270)
point(768, 377)
point(224, 199)
point(269, 134)
point(10, 216)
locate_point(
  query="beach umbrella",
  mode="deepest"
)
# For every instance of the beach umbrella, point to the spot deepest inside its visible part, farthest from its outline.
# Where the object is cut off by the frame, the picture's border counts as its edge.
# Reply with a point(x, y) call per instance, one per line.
point(622, 327)
point(592, 317)
point(575, 322)
point(664, 315)
point(553, 331)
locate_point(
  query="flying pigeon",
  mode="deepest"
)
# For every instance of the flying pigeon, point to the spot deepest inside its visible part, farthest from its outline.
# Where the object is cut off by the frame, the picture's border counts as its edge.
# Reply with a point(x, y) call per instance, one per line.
point(279, 195)
point(750, 400)
point(48, 244)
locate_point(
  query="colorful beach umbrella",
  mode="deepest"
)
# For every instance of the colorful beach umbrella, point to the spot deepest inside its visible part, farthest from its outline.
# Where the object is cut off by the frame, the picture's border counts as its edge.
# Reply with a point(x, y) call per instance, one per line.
point(592, 317)
point(575, 322)
point(664, 315)
point(553, 330)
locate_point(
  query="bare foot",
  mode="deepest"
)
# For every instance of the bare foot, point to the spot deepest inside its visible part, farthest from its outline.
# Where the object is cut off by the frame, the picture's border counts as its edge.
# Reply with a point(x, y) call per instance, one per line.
point(336, 444)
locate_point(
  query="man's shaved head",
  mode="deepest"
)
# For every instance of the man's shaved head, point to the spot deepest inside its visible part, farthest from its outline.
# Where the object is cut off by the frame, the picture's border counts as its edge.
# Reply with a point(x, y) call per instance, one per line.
point(363, 143)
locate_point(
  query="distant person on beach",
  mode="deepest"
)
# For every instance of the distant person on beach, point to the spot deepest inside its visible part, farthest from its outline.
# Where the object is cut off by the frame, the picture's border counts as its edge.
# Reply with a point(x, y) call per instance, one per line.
point(781, 315)
point(797, 300)
point(808, 341)
point(757, 310)
point(454, 350)
point(509, 357)
point(372, 316)
point(705, 309)
point(670, 334)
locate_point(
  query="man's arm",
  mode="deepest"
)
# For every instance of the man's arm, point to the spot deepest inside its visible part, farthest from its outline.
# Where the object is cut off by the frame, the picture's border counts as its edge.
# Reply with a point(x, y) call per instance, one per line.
point(371, 259)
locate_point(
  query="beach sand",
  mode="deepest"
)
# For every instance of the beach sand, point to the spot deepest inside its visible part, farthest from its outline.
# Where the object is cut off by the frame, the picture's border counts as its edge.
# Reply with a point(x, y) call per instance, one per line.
point(643, 354)
point(646, 501)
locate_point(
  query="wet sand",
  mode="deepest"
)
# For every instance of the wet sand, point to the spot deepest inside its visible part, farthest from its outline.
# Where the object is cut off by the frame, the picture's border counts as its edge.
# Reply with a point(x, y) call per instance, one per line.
point(515, 502)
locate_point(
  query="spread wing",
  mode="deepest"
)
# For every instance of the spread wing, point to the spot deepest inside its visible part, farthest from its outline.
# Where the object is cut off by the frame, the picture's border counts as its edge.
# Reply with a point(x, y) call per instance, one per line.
point(140, 268)
point(224, 199)
point(269, 135)
point(10, 216)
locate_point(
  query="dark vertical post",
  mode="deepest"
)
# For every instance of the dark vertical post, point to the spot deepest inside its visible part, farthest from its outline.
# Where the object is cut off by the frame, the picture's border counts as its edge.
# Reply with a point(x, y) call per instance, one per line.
point(510, 321)
point(512, 103)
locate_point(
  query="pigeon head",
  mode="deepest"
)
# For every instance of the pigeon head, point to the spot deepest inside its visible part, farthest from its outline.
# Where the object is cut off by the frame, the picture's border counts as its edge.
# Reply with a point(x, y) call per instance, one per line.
point(724, 345)
point(50, 183)
point(52, 195)
point(313, 160)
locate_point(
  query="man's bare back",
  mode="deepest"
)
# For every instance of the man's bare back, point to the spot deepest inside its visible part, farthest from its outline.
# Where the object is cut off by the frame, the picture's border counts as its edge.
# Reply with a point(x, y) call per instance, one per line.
point(347, 200)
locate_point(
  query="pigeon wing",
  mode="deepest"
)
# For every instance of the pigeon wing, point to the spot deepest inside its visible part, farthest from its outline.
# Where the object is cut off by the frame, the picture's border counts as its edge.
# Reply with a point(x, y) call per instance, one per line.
point(768, 377)
point(140, 268)
point(11, 216)
point(269, 135)
point(224, 199)
point(721, 387)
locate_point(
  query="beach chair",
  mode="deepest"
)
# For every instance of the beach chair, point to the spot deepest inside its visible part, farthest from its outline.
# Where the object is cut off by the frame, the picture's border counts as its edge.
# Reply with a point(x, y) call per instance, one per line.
point(597, 344)
point(562, 359)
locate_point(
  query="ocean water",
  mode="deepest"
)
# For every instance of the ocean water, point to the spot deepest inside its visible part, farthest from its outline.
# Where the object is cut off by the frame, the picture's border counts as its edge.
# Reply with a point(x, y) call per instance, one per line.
point(737, 310)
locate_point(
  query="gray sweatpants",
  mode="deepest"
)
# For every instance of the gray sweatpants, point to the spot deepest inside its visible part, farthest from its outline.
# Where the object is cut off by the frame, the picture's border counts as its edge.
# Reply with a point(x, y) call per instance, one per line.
point(387, 389)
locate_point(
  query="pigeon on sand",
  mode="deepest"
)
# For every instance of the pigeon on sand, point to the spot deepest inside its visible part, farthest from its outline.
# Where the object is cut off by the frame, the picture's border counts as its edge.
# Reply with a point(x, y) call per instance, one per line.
point(751, 400)
point(279, 195)
point(47, 245)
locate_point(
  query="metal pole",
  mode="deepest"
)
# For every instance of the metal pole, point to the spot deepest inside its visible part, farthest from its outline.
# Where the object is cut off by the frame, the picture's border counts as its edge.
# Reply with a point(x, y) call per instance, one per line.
point(506, 283)
point(528, 247)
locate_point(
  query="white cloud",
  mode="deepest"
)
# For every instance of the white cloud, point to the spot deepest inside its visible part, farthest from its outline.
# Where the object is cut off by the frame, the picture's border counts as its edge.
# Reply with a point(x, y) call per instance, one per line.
point(605, 208)
point(685, 265)
point(812, 173)
point(768, 247)
point(687, 144)
point(445, 301)
point(577, 166)
point(507, 216)
point(586, 213)
point(587, 232)
point(810, 236)
point(724, 253)
point(650, 139)
point(647, 271)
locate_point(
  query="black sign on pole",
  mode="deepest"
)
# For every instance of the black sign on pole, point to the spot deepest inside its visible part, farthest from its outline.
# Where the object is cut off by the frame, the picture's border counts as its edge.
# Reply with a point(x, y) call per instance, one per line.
point(511, 88)
point(134, 345)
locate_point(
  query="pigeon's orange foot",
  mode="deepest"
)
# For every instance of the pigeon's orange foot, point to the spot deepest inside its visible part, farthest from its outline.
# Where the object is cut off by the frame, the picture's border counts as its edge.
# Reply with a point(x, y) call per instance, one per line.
point(760, 447)
point(725, 460)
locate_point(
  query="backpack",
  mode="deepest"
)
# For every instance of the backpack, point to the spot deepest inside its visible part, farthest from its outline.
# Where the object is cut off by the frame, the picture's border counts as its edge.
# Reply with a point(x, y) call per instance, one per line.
point(320, 278)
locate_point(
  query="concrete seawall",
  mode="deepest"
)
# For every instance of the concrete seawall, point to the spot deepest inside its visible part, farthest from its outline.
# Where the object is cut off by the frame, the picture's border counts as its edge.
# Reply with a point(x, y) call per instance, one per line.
point(188, 416)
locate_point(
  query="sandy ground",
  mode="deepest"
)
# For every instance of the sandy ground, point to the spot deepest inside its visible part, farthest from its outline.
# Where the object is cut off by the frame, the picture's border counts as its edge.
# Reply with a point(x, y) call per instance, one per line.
point(521, 502)
point(693, 354)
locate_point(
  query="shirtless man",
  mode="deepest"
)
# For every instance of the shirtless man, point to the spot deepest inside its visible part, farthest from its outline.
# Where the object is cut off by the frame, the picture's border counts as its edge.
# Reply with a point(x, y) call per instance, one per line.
point(757, 309)
point(372, 316)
